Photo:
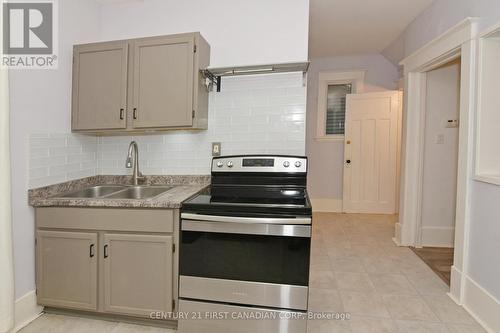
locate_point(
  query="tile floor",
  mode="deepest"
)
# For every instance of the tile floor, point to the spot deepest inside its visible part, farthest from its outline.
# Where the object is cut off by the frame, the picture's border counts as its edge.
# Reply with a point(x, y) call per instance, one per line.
point(355, 268)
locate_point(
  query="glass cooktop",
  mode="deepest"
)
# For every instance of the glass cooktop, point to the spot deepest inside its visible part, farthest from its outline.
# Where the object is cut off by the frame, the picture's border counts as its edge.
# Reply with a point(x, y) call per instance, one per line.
point(250, 200)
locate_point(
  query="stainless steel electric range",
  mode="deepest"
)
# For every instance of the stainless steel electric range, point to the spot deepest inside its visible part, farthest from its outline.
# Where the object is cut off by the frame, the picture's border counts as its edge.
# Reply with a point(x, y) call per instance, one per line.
point(245, 248)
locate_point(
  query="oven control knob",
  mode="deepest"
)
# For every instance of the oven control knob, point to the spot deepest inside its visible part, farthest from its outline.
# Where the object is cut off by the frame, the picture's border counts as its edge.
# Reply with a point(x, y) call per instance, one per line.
point(286, 164)
point(298, 164)
point(229, 164)
point(220, 164)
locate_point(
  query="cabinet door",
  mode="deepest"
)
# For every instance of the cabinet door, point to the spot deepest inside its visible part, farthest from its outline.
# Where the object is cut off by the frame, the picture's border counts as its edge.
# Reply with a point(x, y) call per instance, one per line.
point(67, 269)
point(163, 82)
point(100, 86)
point(137, 274)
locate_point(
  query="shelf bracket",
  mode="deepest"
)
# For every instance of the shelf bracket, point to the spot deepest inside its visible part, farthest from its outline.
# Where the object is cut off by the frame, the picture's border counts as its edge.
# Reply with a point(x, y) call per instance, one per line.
point(211, 80)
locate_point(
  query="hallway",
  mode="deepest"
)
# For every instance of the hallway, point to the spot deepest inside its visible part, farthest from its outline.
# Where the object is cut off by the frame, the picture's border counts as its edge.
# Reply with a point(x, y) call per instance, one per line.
point(356, 268)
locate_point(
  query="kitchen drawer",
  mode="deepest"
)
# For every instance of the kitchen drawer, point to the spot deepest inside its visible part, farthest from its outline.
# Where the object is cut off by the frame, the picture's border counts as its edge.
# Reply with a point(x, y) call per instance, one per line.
point(122, 219)
point(244, 292)
point(269, 321)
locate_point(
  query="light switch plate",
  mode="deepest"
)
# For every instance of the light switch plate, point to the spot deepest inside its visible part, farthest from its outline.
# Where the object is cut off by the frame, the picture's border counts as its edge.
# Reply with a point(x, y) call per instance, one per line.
point(451, 123)
point(216, 149)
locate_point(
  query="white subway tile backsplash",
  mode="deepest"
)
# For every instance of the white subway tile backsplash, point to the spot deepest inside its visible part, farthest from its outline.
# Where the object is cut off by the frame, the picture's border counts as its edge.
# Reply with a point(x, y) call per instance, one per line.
point(261, 114)
point(39, 172)
point(48, 161)
point(39, 152)
point(79, 158)
point(41, 142)
point(81, 174)
point(58, 157)
point(63, 169)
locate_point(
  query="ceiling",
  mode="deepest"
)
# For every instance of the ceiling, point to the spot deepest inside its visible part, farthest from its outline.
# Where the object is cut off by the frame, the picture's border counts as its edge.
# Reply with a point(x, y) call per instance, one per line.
point(341, 27)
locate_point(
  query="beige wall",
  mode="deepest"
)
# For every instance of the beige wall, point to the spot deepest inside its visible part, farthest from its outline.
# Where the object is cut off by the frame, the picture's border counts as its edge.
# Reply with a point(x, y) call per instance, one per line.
point(326, 158)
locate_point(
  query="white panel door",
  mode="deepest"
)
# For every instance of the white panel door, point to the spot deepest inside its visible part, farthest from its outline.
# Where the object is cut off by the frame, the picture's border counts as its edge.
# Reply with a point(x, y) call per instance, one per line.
point(370, 165)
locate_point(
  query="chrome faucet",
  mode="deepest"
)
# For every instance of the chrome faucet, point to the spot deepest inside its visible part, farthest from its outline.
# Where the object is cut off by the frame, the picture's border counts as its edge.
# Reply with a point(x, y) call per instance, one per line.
point(136, 174)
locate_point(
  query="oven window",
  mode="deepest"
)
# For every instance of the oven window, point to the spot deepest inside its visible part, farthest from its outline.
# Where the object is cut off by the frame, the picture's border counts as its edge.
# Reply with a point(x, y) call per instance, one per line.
point(257, 258)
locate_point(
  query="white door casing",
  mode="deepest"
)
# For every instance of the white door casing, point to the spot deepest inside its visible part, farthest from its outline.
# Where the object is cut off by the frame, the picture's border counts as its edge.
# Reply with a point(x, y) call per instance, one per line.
point(370, 153)
point(458, 40)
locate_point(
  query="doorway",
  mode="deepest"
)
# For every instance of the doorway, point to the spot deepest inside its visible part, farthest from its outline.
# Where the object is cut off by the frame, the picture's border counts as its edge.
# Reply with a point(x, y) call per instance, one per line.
point(436, 232)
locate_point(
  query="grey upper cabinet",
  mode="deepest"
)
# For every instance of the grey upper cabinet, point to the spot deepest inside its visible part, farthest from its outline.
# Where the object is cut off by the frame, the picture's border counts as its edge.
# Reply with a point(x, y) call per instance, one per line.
point(100, 86)
point(67, 269)
point(152, 83)
point(163, 82)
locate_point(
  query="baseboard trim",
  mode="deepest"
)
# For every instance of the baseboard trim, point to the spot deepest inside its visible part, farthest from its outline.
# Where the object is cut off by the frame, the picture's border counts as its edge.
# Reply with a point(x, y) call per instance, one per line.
point(397, 234)
point(170, 324)
point(327, 205)
point(26, 310)
point(456, 285)
point(482, 305)
point(438, 236)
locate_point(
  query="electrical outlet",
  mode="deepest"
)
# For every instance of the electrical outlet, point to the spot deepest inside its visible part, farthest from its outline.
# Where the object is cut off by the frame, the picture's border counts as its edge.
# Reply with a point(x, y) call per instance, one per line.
point(216, 148)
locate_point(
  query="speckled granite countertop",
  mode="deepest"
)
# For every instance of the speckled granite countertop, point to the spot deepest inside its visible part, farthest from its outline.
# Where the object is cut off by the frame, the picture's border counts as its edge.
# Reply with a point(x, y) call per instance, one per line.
point(184, 188)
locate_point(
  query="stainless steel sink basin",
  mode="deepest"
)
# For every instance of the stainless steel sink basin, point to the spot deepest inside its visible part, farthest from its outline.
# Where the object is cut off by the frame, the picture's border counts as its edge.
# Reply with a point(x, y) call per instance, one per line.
point(140, 192)
point(94, 191)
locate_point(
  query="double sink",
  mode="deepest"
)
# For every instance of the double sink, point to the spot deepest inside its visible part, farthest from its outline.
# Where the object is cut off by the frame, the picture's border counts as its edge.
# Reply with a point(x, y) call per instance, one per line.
point(118, 192)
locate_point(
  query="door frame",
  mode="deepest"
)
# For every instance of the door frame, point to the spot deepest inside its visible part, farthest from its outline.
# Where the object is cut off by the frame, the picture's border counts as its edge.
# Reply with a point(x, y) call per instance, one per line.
point(458, 41)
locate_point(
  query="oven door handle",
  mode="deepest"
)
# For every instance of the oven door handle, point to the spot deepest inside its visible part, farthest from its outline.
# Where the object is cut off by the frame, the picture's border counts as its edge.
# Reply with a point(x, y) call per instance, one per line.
point(254, 220)
point(248, 229)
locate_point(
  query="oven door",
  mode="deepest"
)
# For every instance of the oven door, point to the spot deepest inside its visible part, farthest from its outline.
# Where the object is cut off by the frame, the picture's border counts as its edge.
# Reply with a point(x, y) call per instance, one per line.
point(250, 263)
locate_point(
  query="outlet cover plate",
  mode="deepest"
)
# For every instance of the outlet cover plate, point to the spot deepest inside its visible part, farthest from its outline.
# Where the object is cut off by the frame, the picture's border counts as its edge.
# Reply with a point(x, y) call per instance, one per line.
point(216, 149)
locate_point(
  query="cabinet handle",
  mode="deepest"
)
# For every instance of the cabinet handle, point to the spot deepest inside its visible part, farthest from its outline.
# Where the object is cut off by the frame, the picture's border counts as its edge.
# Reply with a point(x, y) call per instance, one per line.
point(105, 251)
point(135, 113)
point(91, 250)
point(122, 114)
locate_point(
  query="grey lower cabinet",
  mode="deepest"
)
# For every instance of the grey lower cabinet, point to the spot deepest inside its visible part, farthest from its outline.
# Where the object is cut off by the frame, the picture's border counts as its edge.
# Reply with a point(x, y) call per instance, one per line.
point(142, 84)
point(137, 274)
point(107, 260)
point(67, 269)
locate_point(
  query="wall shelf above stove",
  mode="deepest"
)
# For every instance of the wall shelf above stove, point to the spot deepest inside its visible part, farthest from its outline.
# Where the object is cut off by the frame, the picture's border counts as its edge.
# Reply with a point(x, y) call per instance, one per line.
point(214, 75)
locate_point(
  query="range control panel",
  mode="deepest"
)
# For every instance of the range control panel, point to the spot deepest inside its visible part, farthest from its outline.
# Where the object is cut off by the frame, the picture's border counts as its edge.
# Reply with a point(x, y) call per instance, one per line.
point(260, 163)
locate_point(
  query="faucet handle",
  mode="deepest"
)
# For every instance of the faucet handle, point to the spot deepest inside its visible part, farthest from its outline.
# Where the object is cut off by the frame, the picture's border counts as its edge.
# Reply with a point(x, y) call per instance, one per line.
point(141, 177)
